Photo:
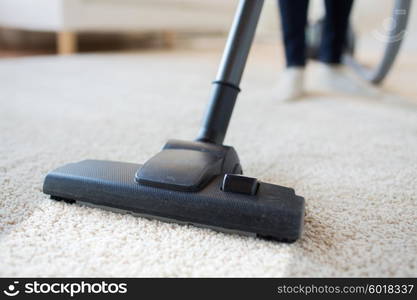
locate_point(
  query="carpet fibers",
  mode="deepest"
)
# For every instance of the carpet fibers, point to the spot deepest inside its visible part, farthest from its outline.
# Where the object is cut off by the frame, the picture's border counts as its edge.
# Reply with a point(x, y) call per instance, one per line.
point(354, 159)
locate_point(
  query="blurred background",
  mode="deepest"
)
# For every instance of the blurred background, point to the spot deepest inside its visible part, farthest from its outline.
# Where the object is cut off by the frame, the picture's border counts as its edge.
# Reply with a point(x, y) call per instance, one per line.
point(65, 27)
point(30, 27)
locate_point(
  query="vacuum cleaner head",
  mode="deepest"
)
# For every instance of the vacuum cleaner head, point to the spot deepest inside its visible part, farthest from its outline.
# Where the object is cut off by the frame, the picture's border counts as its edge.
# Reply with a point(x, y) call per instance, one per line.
point(189, 183)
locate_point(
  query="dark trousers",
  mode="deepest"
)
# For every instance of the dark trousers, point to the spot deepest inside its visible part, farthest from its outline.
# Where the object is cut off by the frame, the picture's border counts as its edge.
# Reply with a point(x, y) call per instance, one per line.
point(294, 21)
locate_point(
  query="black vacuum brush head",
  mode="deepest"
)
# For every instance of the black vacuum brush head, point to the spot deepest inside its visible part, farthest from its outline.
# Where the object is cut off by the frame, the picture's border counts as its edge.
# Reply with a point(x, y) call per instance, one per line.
point(187, 183)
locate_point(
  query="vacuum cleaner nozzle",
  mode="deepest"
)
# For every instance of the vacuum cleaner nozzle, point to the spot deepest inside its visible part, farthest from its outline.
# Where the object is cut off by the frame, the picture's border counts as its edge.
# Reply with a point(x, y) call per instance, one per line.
point(189, 183)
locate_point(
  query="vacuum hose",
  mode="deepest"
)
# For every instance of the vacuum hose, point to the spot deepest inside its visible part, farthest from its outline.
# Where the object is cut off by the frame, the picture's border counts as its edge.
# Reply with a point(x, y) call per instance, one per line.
point(394, 40)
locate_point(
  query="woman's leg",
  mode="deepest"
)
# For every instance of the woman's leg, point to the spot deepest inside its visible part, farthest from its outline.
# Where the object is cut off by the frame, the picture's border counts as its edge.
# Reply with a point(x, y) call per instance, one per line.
point(331, 75)
point(335, 28)
point(293, 22)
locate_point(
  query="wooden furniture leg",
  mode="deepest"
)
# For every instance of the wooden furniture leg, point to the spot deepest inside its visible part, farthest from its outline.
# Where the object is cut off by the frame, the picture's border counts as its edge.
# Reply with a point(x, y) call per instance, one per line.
point(169, 38)
point(66, 42)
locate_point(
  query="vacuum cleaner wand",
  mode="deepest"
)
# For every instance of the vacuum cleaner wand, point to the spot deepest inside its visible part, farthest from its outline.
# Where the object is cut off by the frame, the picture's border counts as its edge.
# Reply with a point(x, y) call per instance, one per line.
point(226, 86)
point(193, 182)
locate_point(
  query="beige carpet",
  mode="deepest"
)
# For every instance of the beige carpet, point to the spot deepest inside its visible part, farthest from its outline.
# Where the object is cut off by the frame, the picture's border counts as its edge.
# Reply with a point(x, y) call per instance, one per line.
point(353, 159)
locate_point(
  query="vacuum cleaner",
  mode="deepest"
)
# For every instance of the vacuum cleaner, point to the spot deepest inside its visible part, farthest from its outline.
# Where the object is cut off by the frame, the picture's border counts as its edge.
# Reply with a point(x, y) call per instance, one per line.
point(393, 40)
point(193, 182)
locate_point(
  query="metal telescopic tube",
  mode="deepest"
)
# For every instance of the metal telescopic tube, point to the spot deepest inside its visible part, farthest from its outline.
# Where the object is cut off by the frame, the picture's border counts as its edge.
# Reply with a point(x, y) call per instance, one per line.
point(226, 86)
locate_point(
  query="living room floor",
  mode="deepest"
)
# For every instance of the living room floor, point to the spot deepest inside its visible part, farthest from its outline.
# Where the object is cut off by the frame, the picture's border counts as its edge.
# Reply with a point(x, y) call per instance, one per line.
point(353, 158)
